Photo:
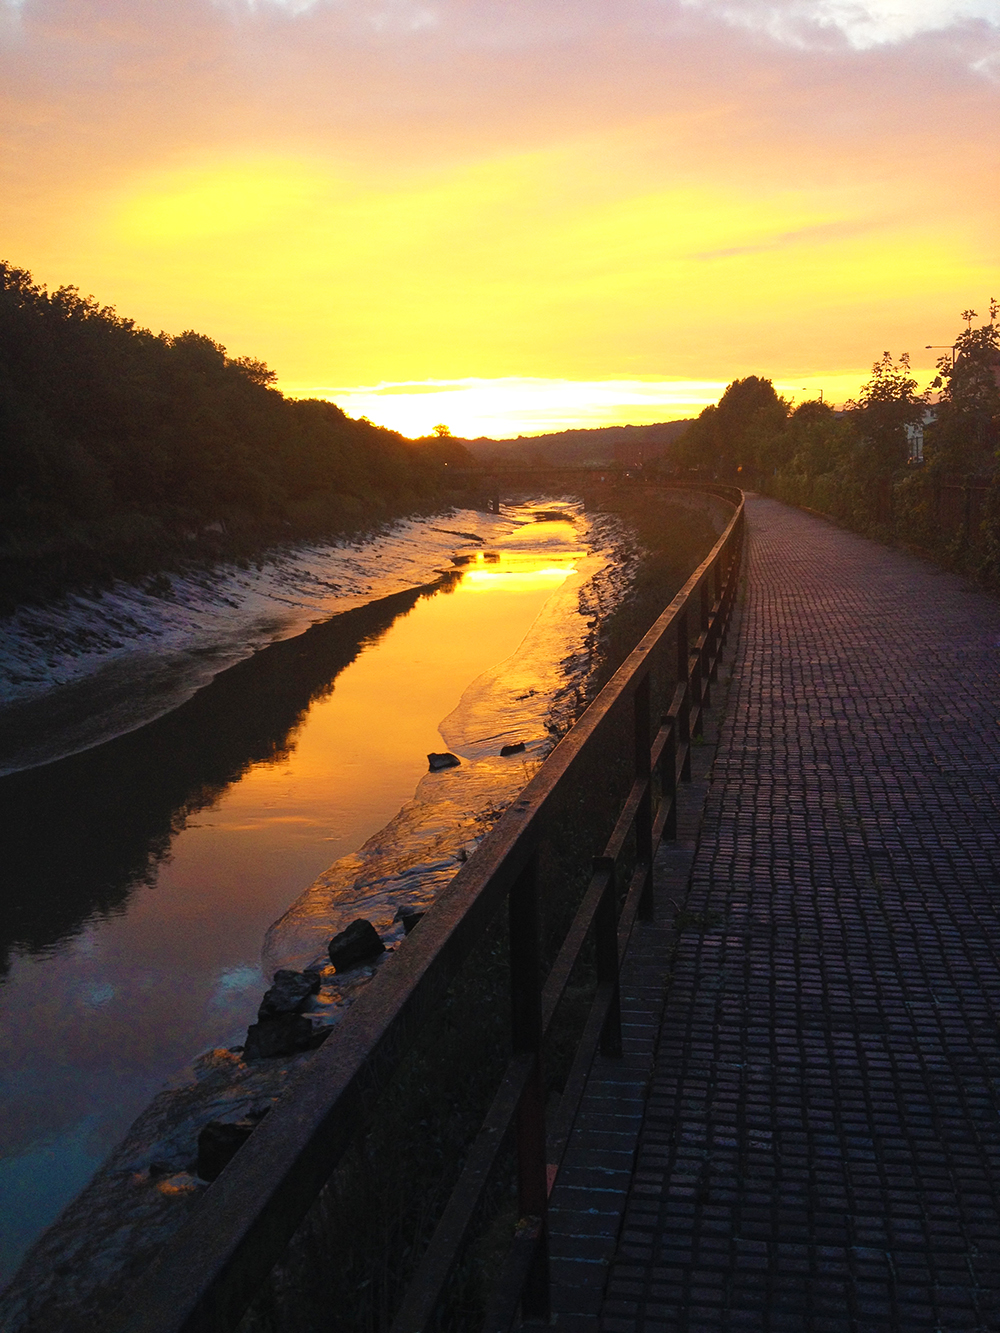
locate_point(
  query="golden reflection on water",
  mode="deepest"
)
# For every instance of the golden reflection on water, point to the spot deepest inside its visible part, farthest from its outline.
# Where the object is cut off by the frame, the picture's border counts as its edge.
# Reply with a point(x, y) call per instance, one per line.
point(518, 571)
point(354, 759)
point(362, 749)
point(133, 997)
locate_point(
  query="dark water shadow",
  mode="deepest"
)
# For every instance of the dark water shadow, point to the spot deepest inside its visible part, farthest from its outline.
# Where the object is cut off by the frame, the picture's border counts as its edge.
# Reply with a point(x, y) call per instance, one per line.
point(77, 836)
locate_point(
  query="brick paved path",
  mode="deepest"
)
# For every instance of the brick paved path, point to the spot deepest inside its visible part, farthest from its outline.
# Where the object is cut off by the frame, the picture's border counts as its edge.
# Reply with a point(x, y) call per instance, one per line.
point(819, 1145)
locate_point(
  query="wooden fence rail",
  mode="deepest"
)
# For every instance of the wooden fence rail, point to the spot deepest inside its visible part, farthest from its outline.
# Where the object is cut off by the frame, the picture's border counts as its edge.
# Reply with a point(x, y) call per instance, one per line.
point(206, 1277)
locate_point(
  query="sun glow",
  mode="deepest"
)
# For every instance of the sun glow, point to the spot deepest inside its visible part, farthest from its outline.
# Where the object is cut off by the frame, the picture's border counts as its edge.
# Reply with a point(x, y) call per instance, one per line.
point(519, 219)
point(511, 406)
point(506, 408)
point(523, 292)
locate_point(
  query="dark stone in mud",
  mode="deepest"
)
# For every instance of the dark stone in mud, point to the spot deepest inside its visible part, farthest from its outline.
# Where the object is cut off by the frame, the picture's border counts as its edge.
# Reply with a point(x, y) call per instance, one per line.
point(355, 945)
point(283, 1035)
point(409, 920)
point(289, 992)
point(516, 748)
point(218, 1144)
point(439, 761)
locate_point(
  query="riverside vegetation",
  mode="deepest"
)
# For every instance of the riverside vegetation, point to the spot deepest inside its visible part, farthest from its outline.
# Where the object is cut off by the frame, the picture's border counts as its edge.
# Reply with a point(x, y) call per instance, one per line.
point(861, 466)
point(124, 453)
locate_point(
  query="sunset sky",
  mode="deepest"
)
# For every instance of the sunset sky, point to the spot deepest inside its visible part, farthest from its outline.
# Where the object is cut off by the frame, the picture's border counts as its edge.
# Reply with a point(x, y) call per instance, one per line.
point(516, 215)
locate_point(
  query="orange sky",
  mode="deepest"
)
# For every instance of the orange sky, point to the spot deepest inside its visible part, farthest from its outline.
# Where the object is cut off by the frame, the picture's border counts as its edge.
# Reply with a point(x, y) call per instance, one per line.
point(517, 215)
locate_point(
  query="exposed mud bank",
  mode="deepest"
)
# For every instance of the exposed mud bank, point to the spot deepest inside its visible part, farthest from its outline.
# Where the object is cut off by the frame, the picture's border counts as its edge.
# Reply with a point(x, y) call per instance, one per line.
point(144, 1190)
point(82, 670)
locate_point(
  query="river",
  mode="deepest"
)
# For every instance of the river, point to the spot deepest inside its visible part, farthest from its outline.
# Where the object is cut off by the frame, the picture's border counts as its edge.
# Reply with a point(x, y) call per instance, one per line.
point(195, 778)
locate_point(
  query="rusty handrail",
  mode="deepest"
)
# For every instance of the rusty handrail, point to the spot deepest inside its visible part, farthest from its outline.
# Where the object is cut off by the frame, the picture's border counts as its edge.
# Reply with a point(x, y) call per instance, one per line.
point(208, 1273)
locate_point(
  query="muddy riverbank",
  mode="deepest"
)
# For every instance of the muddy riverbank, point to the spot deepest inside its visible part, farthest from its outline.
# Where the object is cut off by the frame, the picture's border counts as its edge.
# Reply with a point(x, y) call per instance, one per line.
point(101, 934)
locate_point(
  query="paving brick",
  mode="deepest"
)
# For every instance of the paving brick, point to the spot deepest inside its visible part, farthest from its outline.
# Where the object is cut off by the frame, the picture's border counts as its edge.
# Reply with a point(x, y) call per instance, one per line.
point(810, 1105)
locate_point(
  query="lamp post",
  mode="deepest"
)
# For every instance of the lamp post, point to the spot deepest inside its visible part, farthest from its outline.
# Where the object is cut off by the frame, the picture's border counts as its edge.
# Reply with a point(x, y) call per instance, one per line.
point(943, 347)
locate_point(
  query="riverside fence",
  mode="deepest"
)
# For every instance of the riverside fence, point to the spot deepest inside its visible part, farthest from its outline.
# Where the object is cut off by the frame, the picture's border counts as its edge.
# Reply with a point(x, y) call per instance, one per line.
point(606, 792)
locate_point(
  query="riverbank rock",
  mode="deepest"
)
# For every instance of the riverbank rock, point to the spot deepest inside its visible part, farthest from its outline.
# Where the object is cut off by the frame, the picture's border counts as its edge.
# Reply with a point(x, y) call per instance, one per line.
point(516, 748)
point(286, 1035)
point(289, 992)
point(280, 1028)
point(438, 761)
point(355, 945)
point(74, 1275)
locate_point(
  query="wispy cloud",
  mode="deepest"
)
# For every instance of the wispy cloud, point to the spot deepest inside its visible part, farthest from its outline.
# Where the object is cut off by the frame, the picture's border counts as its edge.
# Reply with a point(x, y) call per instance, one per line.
point(863, 23)
point(829, 232)
point(382, 16)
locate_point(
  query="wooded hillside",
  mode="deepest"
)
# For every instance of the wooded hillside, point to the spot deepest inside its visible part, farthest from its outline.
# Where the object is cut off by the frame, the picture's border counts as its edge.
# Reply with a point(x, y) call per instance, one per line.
point(123, 451)
point(597, 446)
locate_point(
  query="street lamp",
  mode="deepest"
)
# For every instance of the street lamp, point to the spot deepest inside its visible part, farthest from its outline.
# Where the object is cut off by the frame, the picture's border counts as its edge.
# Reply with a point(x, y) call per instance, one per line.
point(943, 347)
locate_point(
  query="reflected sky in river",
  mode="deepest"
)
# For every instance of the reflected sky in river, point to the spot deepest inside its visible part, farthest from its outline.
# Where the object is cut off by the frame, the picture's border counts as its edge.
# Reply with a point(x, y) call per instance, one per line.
point(146, 871)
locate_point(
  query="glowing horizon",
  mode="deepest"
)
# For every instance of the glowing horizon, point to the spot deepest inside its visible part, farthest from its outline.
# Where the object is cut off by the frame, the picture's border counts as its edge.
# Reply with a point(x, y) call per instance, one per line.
point(514, 219)
point(507, 408)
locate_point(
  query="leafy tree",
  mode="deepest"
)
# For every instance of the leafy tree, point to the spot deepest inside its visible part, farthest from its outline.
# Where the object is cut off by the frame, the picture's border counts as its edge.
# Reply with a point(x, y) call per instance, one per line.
point(885, 406)
point(815, 440)
point(257, 372)
point(735, 434)
point(965, 437)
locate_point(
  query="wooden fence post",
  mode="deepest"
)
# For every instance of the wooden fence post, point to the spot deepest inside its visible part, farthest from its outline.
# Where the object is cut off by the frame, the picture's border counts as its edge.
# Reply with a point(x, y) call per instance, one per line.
point(644, 815)
point(526, 1036)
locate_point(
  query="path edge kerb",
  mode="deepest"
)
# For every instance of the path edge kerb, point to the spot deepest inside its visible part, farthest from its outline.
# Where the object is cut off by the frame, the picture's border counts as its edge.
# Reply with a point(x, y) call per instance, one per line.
point(588, 1202)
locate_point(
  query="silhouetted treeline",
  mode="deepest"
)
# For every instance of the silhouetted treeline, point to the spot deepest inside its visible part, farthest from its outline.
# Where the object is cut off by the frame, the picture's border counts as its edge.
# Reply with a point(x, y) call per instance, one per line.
point(919, 468)
point(599, 446)
point(122, 450)
point(732, 437)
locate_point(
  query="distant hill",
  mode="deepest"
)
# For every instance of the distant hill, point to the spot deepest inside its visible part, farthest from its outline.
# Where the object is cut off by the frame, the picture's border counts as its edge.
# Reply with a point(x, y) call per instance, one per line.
point(602, 446)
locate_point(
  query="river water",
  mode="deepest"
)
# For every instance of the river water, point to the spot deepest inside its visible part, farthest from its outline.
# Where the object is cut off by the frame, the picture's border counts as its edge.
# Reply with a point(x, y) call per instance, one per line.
point(269, 783)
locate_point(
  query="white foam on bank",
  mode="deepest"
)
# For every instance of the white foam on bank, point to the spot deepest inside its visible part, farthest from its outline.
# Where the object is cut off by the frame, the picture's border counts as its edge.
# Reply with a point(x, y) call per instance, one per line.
point(129, 1209)
point(108, 663)
point(404, 867)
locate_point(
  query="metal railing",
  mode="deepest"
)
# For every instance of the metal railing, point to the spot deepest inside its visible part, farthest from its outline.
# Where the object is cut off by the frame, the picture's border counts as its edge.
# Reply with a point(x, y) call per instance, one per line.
point(207, 1275)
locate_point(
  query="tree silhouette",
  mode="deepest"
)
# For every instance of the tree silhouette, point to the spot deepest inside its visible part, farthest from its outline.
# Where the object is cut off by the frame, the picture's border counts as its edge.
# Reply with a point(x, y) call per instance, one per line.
point(122, 450)
point(885, 406)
